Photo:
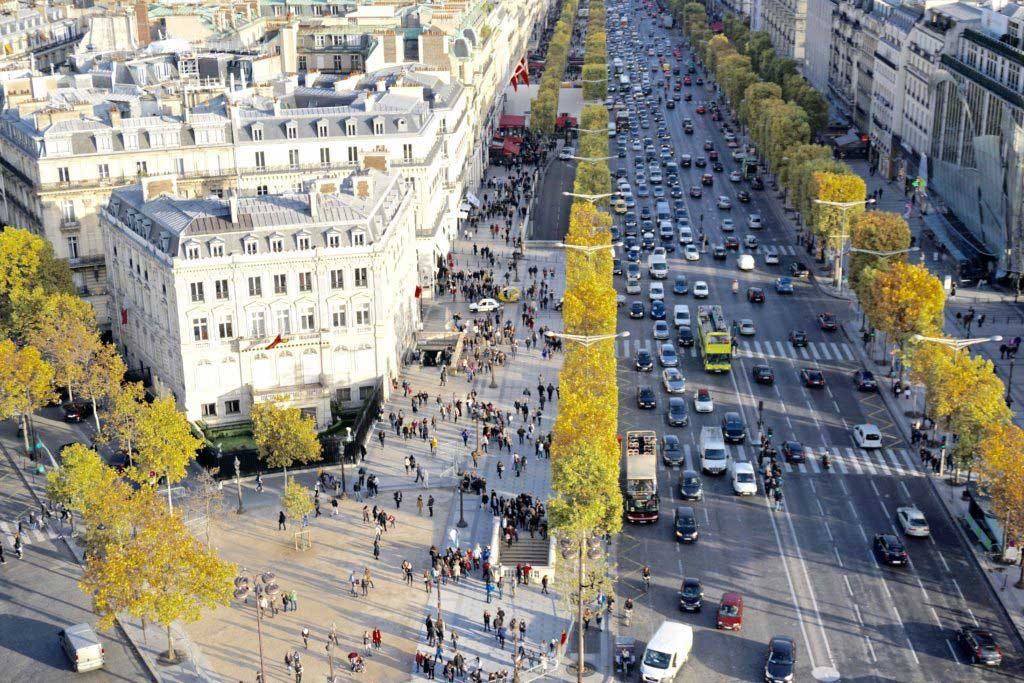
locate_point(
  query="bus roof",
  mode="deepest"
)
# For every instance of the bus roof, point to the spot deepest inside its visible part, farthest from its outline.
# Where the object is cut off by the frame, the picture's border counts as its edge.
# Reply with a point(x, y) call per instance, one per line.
point(641, 454)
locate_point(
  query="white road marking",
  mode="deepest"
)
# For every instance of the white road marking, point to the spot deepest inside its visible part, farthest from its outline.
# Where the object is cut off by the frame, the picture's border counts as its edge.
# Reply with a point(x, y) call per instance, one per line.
point(906, 491)
point(973, 618)
point(952, 651)
point(839, 560)
point(849, 590)
point(810, 589)
point(871, 649)
point(935, 614)
point(956, 585)
point(913, 651)
point(943, 560)
point(856, 611)
point(920, 585)
point(821, 511)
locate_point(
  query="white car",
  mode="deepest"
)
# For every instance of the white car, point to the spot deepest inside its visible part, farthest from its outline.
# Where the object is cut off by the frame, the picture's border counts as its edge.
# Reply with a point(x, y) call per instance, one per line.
point(912, 520)
point(656, 291)
point(661, 330)
point(771, 257)
point(724, 203)
point(702, 401)
point(754, 221)
point(735, 177)
point(659, 251)
point(744, 483)
point(691, 253)
point(673, 380)
point(747, 327)
point(484, 306)
point(700, 290)
point(867, 436)
point(727, 225)
point(750, 242)
point(567, 153)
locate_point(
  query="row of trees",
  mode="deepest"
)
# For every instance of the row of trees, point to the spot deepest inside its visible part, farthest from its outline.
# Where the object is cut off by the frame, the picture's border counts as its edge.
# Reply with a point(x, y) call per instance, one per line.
point(595, 61)
point(544, 109)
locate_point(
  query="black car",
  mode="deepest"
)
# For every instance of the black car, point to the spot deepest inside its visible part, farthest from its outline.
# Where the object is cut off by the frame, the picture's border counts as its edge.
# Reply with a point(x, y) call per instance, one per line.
point(793, 451)
point(763, 374)
point(690, 486)
point(780, 661)
point(828, 322)
point(864, 380)
point(733, 428)
point(685, 336)
point(672, 451)
point(77, 411)
point(980, 645)
point(691, 595)
point(685, 525)
point(645, 398)
point(636, 309)
point(717, 167)
point(743, 196)
point(889, 550)
point(685, 161)
point(812, 378)
point(617, 266)
point(700, 162)
point(688, 129)
point(755, 295)
point(676, 414)
point(708, 145)
point(797, 269)
point(798, 338)
point(644, 361)
point(718, 252)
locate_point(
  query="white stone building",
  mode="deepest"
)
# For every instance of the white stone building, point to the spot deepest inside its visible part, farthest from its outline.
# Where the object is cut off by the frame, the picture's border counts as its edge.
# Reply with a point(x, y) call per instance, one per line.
point(227, 303)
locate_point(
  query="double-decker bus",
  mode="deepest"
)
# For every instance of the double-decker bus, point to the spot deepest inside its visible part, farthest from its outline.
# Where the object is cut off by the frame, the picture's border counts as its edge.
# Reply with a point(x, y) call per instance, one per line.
point(714, 339)
point(641, 499)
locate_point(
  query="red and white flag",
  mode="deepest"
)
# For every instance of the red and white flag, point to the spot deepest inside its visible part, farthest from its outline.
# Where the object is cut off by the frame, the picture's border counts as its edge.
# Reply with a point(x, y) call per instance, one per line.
point(520, 75)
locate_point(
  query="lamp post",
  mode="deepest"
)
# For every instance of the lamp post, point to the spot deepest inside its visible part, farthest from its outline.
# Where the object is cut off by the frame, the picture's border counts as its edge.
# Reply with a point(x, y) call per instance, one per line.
point(1009, 385)
point(238, 485)
point(462, 523)
point(591, 160)
point(845, 208)
point(348, 440)
point(584, 339)
point(583, 546)
point(588, 249)
point(592, 198)
point(262, 583)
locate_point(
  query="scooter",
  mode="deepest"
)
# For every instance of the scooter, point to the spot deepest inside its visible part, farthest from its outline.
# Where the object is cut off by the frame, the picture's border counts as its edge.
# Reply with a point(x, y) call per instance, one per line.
point(735, 286)
point(826, 462)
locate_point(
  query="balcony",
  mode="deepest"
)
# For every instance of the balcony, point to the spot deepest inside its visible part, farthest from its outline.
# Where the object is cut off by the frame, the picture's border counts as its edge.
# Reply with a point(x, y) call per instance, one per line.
point(70, 225)
point(89, 183)
point(304, 391)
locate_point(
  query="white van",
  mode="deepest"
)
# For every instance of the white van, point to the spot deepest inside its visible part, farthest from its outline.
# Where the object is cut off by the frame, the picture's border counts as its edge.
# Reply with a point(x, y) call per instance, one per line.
point(685, 235)
point(744, 483)
point(867, 436)
point(681, 315)
point(657, 266)
point(611, 130)
point(745, 262)
point(667, 651)
point(82, 647)
point(633, 286)
point(713, 456)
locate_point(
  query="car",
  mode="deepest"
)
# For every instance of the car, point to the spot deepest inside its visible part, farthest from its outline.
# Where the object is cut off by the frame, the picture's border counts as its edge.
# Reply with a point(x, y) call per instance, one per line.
point(867, 435)
point(708, 145)
point(793, 451)
point(718, 252)
point(828, 322)
point(780, 660)
point(636, 309)
point(657, 311)
point(645, 399)
point(688, 97)
point(691, 253)
point(743, 197)
point(889, 550)
point(750, 242)
point(700, 290)
point(685, 336)
point(799, 270)
point(717, 167)
point(616, 266)
point(642, 190)
point(864, 380)
point(783, 286)
point(677, 415)
point(671, 451)
point(685, 525)
point(771, 257)
point(797, 338)
point(688, 129)
point(644, 361)
point(690, 485)
point(757, 183)
point(633, 271)
point(77, 410)
point(755, 295)
point(727, 225)
point(812, 378)
point(738, 155)
point(656, 291)
point(707, 179)
point(912, 521)
point(700, 162)
point(696, 192)
point(701, 109)
point(676, 191)
point(754, 221)
point(673, 381)
point(661, 330)
point(680, 286)
point(724, 203)
point(484, 306)
point(733, 428)
point(620, 301)
point(735, 177)
point(747, 327)
point(980, 645)
point(702, 401)
point(82, 647)
point(731, 243)
point(685, 161)
point(763, 374)
point(567, 153)
point(667, 356)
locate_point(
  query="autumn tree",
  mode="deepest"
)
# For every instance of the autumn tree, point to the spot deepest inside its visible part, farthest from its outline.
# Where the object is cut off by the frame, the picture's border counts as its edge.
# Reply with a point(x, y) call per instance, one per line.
point(124, 409)
point(26, 384)
point(103, 378)
point(164, 443)
point(831, 222)
point(595, 81)
point(752, 97)
point(1002, 473)
point(906, 300)
point(67, 337)
point(297, 500)
point(27, 262)
point(284, 435)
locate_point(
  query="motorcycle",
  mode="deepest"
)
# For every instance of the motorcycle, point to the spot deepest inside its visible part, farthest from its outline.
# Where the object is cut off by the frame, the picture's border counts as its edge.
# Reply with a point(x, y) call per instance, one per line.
point(735, 286)
point(826, 462)
point(625, 655)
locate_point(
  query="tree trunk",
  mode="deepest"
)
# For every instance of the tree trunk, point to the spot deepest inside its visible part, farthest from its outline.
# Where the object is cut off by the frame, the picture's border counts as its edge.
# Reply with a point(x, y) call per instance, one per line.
point(171, 655)
point(24, 433)
point(96, 414)
point(170, 505)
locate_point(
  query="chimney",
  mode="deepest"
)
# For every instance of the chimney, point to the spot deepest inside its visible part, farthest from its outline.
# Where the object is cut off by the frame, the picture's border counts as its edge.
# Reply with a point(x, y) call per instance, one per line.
point(314, 196)
point(115, 117)
point(362, 187)
point(233, 207)
point(154, 186)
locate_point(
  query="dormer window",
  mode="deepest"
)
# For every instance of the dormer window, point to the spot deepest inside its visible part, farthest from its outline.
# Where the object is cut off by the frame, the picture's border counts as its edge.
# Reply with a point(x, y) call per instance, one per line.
point(358, 238)
point(131, 141)
point(401, 125)
point(257, 132)
point(191, 251)
point(378, 127)
point(291, 130)
point(302, 241)
point(333, 240)
point(104, 143)
point(216, 248)
point(250, 245)
point(276, 244)
point(321, 128)
point(350, 127)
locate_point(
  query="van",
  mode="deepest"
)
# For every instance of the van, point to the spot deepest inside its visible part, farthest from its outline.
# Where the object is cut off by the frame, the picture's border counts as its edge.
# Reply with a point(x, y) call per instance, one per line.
point(624, 81)
point(744, 483)
point(611, 129)
point(685, 235)
point(82, 647)
point(667, 651)
point(681, 315)
point(657, 266)
point(665, 230)
point(730, 612)
point(662, 211)
point(632, 286)
point(745, 262)
point(712, 450)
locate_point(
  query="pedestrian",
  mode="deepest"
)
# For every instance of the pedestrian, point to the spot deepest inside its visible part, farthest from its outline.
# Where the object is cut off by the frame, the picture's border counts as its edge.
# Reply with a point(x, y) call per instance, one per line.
point(377, 639)
point(544, 585)
point(487, 621)
point(376, 550)
point(305, 637)
point(430, 504)
point(419, 505)
point(778, 499)
point(298, 672)
point(280, 521)
point(398, 499)
point(366, 642)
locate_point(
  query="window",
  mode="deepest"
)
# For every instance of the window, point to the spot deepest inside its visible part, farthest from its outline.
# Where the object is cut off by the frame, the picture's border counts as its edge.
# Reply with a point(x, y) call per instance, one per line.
point(291, 130)
point(257, 133)
point(363, 315)
point(261, 160)
point(321, 129)
point(325, 155)
point(64, 174)
point(261, 190)
point(407, 152)
point(302, 242)
point(257, 324)
point(103, 171)
point(334, 241)
point(72, 247)
point(251, 247)
point(361, 278)
point(199, 329)
point(353, 154)
point(232, 407)
point(302, 60)
point(67, 211)
point(226, 327)
point(284, 321)
point(209, 410)
point(339, 316)
point(444, 125)
point(306, 282)
point(141, 168)
point(350, 128)
point(198, 294)
point(339, 63)
point(179, 166)
point(281, 283)
point(216, 249)
point(255, 286)
point(358, 238)
point(276, 244)
point(365, 392)
point(104, 143)
point(307, 319)
point(337, 279)
point(378, 128)
point(191, 251)
point(293, 158)
point(343, 395)
point(318, 41)
point(221, 291)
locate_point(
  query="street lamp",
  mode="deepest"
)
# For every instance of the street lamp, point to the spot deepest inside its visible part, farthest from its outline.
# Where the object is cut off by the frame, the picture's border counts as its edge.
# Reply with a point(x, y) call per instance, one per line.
point(588, 249)
point(584, 339)
point(262, 583)
point(238, 483)
point(591, 160)
point(592, 198)
point(845, 208)
point(882, 254)
point(462, 523)
point(584, 546)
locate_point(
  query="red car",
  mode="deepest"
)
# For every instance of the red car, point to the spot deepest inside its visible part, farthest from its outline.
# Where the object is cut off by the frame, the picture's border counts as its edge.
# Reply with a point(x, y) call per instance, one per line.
point(687, 80)
point(701, 109)
point(812, 378)
point(793, 451)
point(828, 322)
point(707, 179)
point(696, 192)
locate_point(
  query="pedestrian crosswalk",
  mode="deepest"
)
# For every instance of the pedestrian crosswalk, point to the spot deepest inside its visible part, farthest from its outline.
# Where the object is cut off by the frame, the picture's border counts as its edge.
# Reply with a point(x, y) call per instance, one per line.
point(28, 535)
point(818, 351)
point(896, 462)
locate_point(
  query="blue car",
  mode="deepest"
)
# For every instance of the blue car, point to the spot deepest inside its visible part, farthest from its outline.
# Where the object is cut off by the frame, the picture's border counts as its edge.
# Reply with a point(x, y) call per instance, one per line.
point(681, 286)
point(783, 285)
point(657, 310)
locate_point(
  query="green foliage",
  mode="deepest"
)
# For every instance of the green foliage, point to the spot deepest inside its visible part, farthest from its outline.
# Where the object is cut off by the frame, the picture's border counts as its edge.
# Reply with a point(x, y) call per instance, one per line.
point(284, 435)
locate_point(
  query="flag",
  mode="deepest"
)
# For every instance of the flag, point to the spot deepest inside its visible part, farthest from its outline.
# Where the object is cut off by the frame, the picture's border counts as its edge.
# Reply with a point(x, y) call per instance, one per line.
point(124, 316)
point(419, 291)
point(277, 340)
point(520, 75)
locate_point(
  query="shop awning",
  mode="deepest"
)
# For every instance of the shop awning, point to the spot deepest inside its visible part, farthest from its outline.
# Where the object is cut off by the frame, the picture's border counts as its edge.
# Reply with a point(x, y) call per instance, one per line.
point(472, 199)
point(511, 121)
point(564, 119)
point(511, 148)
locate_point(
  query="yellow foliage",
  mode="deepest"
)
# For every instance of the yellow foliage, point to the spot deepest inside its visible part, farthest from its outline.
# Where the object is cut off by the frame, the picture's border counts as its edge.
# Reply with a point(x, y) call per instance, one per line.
point(828, 221)
point(905, 300)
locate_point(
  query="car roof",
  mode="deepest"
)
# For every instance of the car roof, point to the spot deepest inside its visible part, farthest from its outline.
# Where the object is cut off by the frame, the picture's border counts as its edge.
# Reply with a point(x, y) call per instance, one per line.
point(671, 438)
point(689, 473)
point(731, 598)
point(685, 511)
point(691, 581)
point(783, 643)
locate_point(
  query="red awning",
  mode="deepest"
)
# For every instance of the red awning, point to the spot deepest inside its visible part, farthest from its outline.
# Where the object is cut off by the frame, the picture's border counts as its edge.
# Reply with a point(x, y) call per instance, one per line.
point(518, 139)
point(535, 64)
point(561, 121)
point(718, 27)
point(511, 148)
point(497, 144)
point(510, 121)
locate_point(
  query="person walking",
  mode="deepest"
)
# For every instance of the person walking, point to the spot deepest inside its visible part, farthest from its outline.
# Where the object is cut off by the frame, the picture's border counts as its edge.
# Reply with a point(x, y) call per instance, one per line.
point(430, 505)
point(398, 500)
point(419, 505)
point(778, 499)
point(305, 637)
point(281, 521)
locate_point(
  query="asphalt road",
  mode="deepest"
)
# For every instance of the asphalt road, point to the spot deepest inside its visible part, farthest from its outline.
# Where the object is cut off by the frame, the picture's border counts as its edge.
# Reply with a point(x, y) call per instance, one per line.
point(551, 210)
point(807, 571)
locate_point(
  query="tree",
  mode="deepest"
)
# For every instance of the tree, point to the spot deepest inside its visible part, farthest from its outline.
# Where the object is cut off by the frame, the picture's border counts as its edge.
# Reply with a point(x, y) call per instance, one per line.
point(297, 500)
point(284, 435)
point(27, 262)
point(814, 105)
point(787, 127)
point(879, 231)
point(1002, 472)
point(26, 384)
point(830, 222)
point(206, 499)
point(907, 300)
point(67, 337)
point(165, 444)
point(759, 44)
point(123, 414)
point(752, 97)
point(595, 81)
point(103, 377)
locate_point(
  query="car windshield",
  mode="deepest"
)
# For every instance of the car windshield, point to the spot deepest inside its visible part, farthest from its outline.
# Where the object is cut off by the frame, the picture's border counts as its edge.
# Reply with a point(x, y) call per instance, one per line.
point(691, 591)
point(714, 454)
point(781, 657)
point(691, 481)
point(729, 610)
point(744, 477)
point(656, 660)
point(917, 520)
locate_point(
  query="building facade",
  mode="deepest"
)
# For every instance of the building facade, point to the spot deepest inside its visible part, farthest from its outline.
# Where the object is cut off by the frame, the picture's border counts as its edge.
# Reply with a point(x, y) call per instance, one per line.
point(786, 23)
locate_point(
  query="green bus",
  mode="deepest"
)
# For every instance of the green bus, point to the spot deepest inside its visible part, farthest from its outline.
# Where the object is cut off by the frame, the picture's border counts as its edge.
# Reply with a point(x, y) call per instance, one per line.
point(714, 339)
